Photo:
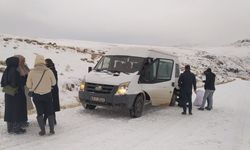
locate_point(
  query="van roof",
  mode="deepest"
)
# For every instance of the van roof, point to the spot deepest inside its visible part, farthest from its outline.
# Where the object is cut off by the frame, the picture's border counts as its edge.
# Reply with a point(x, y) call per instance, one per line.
point(138, 52)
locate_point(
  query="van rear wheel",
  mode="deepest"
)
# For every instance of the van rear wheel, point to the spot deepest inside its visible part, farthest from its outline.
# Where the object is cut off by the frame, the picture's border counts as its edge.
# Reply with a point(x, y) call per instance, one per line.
point(137, 109)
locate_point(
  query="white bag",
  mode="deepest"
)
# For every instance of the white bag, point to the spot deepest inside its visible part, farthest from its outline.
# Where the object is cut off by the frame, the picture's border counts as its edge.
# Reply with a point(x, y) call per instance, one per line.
point(199, 98)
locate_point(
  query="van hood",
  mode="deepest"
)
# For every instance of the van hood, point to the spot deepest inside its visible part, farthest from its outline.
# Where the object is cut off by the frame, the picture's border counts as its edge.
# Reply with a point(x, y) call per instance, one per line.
point(108, 78)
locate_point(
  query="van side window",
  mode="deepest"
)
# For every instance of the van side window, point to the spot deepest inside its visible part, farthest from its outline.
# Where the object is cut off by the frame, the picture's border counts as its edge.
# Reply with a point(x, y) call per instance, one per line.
point(158, 71)
point(165, 69)
point(177, 70)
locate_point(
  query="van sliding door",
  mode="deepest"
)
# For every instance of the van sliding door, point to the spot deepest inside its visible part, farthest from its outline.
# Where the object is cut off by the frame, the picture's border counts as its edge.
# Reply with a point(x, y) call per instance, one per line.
point(157, 80)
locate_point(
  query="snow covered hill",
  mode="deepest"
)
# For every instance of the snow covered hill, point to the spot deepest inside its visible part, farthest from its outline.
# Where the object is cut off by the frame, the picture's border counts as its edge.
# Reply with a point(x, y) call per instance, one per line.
point(72, 58)
point(242, 43)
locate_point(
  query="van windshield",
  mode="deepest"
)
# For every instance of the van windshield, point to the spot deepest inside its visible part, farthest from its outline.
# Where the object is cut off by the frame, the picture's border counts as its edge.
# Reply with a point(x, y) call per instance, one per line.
point(125, 64)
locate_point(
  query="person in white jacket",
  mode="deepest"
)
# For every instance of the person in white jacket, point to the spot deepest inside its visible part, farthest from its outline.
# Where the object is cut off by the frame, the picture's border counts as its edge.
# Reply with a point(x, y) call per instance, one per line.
point(40, 81)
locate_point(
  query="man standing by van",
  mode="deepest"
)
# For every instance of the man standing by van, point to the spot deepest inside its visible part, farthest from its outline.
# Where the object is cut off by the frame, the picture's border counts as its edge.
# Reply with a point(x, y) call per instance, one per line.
point(209, 89)
point(186, 81)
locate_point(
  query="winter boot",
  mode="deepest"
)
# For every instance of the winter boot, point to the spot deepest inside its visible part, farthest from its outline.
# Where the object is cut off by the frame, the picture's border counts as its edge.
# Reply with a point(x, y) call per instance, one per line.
point(10, 127)
point(25, 124)
point(17, 128)
point(51, 124)
point(201, 108)
point(41, 125)
point(208, 108)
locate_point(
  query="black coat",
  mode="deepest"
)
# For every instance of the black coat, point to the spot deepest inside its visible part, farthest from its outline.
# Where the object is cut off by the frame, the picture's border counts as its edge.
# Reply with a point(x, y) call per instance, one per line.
point(210, 81)
point(55, 92)
point(15, 106)
point(186, 81)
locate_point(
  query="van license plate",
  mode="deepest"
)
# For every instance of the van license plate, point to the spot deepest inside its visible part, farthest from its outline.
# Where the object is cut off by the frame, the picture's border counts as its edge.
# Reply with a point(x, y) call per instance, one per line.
point(98, 99)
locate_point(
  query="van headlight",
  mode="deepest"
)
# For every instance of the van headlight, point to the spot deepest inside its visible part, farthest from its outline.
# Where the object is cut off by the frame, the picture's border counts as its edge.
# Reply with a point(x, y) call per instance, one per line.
point(122, 89)
point(82, 86)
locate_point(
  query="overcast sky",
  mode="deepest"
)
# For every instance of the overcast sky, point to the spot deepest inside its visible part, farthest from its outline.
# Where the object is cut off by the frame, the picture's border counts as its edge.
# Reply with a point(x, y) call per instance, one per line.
point(151, 22)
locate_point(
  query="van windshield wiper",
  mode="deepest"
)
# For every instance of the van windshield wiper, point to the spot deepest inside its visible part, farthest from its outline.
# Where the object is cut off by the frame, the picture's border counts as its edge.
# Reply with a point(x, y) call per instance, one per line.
point(103, 70)
point(110, 71)
point(118, 71)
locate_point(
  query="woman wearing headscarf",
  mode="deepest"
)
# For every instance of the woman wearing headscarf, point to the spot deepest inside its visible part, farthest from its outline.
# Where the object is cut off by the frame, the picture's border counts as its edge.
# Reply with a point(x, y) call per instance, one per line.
point(14, 101)
point(55, 91)
point(40, 81)
point(24, 70)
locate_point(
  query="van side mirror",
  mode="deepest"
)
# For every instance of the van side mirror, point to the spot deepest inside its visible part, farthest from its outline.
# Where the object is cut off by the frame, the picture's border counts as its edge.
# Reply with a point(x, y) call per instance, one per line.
point(90, 69)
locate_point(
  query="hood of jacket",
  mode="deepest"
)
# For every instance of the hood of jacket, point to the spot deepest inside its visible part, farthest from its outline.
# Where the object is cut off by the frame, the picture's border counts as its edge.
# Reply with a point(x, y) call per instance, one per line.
point(39, 60)
point(12, 62)
point(40, 68)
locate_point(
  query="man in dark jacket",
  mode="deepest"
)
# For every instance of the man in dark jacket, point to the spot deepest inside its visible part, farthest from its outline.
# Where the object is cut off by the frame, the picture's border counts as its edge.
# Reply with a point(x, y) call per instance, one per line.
point(186, 81)
point(209, 89)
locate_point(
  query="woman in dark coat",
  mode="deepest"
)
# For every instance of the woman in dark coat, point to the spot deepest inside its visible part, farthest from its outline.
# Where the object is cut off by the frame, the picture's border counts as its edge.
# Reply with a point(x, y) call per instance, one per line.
point(55, 89)
point(23, 71)
point(14, 105)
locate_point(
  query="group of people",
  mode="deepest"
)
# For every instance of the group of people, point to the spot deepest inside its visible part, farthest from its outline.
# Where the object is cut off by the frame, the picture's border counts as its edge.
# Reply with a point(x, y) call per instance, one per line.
point(20, 83)
point(187, 82)
point(41, 82)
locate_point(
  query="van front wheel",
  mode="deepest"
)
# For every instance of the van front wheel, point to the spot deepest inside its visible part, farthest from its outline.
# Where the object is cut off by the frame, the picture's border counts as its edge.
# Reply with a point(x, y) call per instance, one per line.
point(137, 109)
point(88, 106)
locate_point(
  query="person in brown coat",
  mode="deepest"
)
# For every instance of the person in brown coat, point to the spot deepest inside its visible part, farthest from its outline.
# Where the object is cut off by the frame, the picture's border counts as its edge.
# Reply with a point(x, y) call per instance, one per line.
point(24, 70)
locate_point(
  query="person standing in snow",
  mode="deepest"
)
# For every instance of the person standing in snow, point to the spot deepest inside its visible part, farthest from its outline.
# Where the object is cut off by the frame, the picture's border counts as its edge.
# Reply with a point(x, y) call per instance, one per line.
point(55, 90)
point(209, 90)
point(15, 99)
point(24, 70)
point(40, 81)
point(186, 81)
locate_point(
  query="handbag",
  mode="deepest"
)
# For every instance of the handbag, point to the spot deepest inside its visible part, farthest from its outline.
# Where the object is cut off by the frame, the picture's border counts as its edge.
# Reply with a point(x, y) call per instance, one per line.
point(10, 90)
point(31, 93)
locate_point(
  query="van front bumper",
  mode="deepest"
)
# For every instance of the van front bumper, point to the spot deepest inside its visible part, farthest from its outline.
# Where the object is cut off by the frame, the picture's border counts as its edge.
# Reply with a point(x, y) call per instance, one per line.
point(107, 99)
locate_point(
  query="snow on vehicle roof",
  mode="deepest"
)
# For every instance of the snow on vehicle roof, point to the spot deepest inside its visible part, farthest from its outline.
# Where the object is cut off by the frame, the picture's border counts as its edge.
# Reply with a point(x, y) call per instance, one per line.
point(136, 51)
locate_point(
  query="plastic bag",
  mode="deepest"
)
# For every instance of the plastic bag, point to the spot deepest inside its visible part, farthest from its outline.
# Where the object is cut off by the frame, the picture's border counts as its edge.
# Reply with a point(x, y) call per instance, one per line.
point(199, 98)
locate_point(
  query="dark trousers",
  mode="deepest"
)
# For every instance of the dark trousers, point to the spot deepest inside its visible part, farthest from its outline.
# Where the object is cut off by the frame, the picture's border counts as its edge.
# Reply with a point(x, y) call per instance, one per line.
point(45, 117)
point(43, 104)
point(186, 98)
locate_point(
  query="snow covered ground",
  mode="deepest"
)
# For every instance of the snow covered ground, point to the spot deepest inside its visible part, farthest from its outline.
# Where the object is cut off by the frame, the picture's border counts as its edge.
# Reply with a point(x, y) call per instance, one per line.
point(226, 127)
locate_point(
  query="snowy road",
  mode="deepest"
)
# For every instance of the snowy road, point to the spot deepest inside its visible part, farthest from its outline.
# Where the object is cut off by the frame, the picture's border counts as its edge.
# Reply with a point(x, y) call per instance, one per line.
point(227, 127)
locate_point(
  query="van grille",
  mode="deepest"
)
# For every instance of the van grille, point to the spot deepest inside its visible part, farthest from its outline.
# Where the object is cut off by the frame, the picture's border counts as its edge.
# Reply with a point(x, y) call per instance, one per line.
point(99, 88)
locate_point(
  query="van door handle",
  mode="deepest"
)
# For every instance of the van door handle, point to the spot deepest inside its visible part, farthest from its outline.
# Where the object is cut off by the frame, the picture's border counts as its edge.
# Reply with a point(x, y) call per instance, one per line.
point(173, 84)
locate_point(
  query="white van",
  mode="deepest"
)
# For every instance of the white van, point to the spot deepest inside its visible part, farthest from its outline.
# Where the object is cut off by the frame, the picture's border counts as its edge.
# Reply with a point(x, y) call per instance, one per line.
point(131, 78)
